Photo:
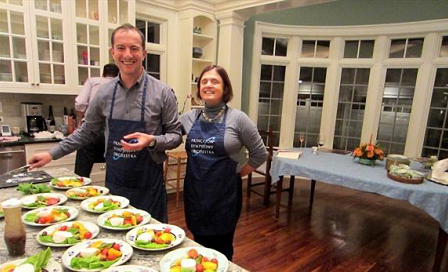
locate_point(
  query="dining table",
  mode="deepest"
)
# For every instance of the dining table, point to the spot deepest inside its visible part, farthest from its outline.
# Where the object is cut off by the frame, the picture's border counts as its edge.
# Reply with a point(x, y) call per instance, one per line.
point(149, 259)
point(344, 170)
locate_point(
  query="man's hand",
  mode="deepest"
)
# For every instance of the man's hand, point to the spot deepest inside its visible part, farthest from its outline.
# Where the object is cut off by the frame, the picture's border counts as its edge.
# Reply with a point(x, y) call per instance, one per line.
point(136, 141)
point(246, 170)
point(39, 160)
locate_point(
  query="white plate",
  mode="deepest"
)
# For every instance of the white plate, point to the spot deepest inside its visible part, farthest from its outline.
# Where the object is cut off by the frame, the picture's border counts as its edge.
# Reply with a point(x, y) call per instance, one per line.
point(62, 199)
point(169, 259)
point(94, 229)
point(131, 236)
point(102, 218)
point(73, 214)
point(86, 181)
point(130, 268)
point(124, 202)
point(102, 191)
point(71, 252)
point(52, 265)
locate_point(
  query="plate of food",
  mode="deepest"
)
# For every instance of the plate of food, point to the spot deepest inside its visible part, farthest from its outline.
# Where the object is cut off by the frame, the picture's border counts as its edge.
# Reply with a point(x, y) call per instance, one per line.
point(155, 237)
point(67, 234)
point(47, 216)
point(194, 259)
point(123, 219)
point(42, 200)
point(129, 268)
point(65, 183)
point(84, 192)
point(40, 262)
point(96, 255)
point(102, 204)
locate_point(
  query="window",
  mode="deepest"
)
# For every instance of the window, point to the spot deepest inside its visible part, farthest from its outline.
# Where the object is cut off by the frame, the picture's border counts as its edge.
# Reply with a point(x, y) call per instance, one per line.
point(359, 49)
point(406, 48)
point(396, 109)
point(152, 65)
point(150, 30)
point(270, 99)
point(309, 104)
point(315, 49)
point(436, 138)
point(274, 45)
point(444, 47)
point(351, 105)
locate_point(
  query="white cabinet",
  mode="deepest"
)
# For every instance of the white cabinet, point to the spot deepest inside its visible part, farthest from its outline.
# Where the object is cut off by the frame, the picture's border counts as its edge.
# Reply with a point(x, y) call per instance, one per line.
point(42, 41)
point(98, 174)
point(198, 35)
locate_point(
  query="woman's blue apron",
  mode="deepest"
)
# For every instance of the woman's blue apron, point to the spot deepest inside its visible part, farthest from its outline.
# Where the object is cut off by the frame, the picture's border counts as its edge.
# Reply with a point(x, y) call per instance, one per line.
point(134, 174)
point(211, 182)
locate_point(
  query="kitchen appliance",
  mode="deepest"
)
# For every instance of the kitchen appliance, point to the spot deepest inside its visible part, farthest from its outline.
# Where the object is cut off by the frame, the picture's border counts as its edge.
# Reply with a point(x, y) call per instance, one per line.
point(11, 157)
point(33, 118)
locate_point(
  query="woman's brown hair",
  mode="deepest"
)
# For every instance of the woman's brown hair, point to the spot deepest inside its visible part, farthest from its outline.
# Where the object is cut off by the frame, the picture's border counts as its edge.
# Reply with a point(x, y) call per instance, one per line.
point(228, 92)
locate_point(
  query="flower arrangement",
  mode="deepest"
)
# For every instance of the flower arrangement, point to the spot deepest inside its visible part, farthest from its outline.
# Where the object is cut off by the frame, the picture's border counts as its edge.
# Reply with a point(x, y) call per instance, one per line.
point(369, 152)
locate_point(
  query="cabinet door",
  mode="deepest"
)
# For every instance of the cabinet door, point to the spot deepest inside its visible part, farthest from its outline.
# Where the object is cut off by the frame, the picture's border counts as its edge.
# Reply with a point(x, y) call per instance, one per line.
point(50, 49)
point(67, 162)
point(15, 52)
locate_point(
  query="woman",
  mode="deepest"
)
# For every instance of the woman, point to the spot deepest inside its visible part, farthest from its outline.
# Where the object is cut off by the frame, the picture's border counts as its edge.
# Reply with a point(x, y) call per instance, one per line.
point(215, 138)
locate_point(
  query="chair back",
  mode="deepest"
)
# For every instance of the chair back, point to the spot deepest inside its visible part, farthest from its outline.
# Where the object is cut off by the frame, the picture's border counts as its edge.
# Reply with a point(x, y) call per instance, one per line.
point(269, 135)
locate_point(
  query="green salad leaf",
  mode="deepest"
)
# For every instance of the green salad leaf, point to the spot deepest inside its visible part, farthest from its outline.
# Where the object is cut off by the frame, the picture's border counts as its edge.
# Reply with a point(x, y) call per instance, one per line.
point(31, 217)
point(90, 263)
point(31, 189)
point(107, 223)
point(39, 260)
point(150, 245)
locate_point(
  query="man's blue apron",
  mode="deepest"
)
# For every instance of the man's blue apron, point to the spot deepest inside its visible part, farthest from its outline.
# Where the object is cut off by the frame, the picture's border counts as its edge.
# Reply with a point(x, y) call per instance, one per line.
point(211, 182)
point(134, 174)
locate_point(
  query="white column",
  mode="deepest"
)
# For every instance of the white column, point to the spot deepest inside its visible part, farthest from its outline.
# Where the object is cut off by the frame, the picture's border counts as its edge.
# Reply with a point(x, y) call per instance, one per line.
point(230, 51)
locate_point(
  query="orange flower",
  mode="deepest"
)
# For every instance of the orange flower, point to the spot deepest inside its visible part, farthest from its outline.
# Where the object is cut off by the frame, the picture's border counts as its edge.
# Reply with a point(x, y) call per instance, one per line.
point(357, 152)
point(370, 148)
point(369, 151)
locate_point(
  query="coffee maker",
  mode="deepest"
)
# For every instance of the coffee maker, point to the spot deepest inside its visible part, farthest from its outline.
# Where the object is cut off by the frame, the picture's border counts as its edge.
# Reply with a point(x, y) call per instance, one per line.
point(32, 117)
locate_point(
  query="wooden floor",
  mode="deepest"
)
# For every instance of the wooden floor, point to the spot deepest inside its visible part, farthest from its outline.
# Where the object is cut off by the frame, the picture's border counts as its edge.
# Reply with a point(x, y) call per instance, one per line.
point(345, 231)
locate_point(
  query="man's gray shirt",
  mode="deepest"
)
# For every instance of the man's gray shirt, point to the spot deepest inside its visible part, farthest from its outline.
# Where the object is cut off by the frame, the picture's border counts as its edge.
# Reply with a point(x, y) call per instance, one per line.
point(161, 116)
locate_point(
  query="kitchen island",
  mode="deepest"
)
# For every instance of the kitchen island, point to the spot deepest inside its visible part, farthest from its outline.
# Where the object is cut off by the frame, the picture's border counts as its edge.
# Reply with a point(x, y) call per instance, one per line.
point(139, 257)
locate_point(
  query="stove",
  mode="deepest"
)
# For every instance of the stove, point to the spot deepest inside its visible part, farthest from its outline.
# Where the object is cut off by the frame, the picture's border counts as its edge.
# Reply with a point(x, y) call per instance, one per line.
point(12, 180)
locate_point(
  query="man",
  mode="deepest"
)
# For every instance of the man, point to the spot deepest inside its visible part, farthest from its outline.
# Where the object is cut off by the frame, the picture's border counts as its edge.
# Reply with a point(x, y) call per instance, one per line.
point(90, 154)
point(138, 115)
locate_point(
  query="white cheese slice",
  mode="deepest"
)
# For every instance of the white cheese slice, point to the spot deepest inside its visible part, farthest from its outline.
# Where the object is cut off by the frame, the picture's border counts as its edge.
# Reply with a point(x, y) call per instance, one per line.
point(28, 201)
point(99, 207)
point(61, 236)
point(189, 264)
point(45, 213)
point(89, 252)
point(116, 221)
point(24, 268)
point(145, 237)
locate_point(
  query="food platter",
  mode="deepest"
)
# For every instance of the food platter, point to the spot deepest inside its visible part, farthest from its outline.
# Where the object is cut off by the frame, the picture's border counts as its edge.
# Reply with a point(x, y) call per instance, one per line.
point(52, 265)
point(405, 180)
point(65, 183)
point(170, 258)
point(109, 203)
point(52, 215)
point(31, 202)
point(125, 219)
point(78, 250)
point(85, 192)
point(133, 237)
point(87, 231)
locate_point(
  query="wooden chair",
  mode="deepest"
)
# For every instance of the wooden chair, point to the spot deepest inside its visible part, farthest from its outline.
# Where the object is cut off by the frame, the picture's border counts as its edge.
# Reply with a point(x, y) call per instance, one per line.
point(175, 160)
point(263, 170)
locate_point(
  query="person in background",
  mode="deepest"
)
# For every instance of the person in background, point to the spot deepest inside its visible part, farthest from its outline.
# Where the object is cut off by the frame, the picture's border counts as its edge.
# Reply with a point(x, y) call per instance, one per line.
point(90, 154)
point(138, 115)
point(213, 185)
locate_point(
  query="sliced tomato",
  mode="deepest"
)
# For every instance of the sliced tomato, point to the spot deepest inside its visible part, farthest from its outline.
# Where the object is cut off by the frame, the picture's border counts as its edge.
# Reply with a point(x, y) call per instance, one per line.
point(88, 235)
point(52, 201)
point(63, 228)
point(116, 246)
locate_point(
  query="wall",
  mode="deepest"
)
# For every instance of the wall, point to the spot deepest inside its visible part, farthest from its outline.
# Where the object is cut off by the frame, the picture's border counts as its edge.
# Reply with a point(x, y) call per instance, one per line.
point(344, 12)
point(12, 109)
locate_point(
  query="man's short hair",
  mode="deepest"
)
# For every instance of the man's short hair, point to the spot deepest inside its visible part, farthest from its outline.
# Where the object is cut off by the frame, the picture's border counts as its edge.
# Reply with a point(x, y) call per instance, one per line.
point(128, 27)
point(110, 70)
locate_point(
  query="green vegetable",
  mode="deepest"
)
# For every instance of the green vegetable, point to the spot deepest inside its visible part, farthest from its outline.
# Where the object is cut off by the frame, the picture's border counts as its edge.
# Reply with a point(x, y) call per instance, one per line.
point(49, 239)
point(107, 223)
point(31, 189)
point(90, 263)
point(39, 260)
point(150, 245)
point(31, 217)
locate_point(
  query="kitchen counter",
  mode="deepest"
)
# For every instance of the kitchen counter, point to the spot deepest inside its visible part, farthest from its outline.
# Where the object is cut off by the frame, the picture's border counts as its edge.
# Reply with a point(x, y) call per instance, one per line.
point(139, 257)
point(24, 139)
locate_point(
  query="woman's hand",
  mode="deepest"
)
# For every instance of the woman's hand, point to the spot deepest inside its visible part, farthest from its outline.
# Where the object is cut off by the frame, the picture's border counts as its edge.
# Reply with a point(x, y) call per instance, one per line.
point(136, 141)
point(246, 170)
